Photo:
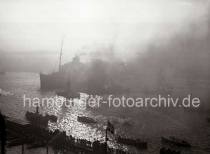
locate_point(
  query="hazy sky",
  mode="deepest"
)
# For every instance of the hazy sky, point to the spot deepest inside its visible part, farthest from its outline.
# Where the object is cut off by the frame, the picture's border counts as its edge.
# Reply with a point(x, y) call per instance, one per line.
point(37, 26)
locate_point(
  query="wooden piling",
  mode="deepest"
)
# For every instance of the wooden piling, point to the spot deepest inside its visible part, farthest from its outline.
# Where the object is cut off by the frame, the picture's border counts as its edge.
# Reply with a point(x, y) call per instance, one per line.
point(47, 149)
point(22, 147)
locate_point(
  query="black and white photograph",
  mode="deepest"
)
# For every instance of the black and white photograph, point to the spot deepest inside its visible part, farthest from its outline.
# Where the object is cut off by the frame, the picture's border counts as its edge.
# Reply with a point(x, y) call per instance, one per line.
point(104, 76)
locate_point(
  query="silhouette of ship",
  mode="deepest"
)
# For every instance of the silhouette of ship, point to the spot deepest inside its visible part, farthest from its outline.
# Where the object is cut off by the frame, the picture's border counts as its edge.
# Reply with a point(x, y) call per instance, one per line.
point(175, 141)
point(55, 80)
point(84, 119)
point(52, 81)
point(89, 78)
point(132, 142)
point(164, 150)
point(38, 119)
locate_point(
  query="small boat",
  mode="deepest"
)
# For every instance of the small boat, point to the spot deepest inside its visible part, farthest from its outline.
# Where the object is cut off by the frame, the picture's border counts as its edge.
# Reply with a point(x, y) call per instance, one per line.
point(19, 141)
point(38, 144)
point(84, 119)
point(34, 118)
point(38, 119)
point(133, 142)
point(175, 141)
point(169, 151)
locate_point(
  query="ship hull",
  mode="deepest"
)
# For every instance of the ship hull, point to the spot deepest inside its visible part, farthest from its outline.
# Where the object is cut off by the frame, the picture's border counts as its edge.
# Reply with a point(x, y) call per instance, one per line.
point(52, 81)
point(176, 142)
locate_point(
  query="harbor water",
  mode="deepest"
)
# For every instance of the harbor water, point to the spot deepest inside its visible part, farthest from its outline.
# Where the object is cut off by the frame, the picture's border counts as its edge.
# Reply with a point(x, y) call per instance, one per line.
point(144, 123)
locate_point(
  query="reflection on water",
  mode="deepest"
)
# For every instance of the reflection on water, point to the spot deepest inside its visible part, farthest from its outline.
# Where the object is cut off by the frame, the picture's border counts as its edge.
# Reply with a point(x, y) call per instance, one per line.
point(67, 121)
point(148, 124)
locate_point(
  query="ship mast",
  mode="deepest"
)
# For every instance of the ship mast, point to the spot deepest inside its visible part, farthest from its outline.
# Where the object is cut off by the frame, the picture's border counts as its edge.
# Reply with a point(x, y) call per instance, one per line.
point(61, 52)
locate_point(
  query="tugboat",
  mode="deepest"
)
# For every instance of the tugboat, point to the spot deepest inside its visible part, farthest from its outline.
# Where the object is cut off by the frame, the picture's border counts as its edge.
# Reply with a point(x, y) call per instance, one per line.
point(84, 119)
point(133, 142)
point(38, 119)
point(175, 141)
